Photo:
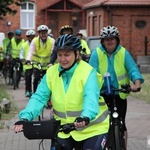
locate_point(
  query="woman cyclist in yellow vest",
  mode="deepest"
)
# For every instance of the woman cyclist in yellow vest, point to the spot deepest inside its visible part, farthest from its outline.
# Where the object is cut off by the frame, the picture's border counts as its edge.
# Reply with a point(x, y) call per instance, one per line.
point(30, 34)
point(111, 57)
point(40, 51)
point(74, 88)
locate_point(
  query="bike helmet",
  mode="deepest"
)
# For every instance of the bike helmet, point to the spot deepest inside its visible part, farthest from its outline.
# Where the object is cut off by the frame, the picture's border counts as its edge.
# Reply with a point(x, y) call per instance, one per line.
point(10, 33)
point(109, 31)
point(18, 32)
point(42, 28)
point(66, 27)
point(30, 32)
point(68, 42)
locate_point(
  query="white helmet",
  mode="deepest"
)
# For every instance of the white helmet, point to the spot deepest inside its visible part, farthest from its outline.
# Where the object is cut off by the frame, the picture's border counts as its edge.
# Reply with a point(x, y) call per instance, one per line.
point(30, 32)
point(109, 31)
point(42, 28)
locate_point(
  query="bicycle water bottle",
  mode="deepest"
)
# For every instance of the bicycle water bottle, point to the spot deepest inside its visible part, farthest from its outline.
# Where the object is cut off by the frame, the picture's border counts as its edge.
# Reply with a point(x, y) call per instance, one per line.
point(107, 82)
point(53, 148)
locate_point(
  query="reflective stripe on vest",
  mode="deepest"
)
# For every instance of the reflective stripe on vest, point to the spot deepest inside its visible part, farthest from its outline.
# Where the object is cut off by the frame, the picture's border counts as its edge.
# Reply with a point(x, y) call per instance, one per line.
point(119, 67)
point(68, 106)
point(72, 113)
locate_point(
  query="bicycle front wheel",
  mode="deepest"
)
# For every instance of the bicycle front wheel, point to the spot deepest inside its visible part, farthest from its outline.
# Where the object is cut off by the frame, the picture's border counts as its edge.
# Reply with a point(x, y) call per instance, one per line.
point(117, 137)
point(6, 75)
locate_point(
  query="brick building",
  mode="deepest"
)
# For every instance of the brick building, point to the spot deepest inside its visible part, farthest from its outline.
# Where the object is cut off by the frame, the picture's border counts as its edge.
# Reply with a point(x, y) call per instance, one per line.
point(131, 17)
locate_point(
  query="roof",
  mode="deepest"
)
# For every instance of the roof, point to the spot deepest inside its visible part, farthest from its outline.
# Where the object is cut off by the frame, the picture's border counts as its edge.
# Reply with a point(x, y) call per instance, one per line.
point(56, 1)
point(98, 3)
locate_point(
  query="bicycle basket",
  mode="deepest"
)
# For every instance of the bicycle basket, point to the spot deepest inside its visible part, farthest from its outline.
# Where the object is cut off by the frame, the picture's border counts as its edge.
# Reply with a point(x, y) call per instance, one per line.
point(45, 129)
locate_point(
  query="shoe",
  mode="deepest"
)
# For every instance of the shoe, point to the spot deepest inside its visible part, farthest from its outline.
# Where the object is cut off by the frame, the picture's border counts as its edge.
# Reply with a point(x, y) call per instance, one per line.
point(27, 94)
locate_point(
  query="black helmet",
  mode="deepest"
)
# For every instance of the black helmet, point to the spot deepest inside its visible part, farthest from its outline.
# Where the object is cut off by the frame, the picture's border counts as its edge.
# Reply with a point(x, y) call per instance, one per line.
point(66, 27)
point(10, 33)
point(68, 42)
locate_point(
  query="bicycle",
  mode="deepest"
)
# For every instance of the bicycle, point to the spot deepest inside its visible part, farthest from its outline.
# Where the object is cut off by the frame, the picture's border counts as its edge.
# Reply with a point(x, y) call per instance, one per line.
point(6, 68)
point(116, 136)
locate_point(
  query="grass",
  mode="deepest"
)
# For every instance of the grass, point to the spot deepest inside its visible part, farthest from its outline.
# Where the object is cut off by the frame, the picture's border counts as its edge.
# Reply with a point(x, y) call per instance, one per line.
point(144, 94)
point(13, 108)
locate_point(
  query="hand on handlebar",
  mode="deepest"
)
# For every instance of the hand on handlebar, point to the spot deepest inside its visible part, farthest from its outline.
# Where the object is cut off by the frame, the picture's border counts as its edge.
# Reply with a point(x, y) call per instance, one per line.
point(134, 88)
point(28, 62)
point(81, 122)
point(18, 126)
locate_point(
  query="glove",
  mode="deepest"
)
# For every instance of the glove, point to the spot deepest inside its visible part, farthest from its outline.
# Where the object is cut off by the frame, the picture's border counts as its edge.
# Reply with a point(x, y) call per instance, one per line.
point(81, 119)
point(28, 62)
point(20, 122)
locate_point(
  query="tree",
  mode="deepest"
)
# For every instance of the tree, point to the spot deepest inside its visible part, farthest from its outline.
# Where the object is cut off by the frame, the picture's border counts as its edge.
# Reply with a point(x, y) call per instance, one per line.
point(6, 9)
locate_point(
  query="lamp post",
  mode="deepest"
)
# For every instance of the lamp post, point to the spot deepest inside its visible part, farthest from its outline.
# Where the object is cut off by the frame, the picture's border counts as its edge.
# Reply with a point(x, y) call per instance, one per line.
point(8, 24)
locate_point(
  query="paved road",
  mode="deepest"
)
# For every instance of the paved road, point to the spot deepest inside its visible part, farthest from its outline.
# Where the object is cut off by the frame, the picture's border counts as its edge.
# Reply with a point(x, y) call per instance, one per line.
point(138, 124)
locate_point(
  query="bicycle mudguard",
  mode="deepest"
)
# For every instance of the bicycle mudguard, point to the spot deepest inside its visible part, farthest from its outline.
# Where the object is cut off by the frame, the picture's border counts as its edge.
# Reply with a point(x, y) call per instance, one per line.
point(44, 129)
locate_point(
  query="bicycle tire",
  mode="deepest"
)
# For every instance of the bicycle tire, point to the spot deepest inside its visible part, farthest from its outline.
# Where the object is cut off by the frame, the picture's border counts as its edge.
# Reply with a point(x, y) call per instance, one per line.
point(117, 137)
point(15, 79)
point(123, 141)
point(18, 79)
point(6, 75)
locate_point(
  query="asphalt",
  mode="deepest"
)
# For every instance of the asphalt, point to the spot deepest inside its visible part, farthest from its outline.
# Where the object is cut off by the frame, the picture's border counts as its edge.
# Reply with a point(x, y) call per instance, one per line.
point(137, 120)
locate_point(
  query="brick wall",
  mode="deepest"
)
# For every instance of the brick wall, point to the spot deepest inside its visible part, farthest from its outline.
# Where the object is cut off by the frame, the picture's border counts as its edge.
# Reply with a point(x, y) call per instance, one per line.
point(125, 19)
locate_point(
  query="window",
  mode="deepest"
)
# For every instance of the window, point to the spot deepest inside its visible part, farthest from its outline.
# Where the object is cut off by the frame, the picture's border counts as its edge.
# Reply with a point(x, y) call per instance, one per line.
point(27, 15)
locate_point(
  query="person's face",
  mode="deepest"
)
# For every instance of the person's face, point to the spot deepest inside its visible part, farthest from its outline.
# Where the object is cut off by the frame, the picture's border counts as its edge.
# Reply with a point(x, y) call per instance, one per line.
point(110, 44)
point(30, 38)
point(65, 58)
point(43, 35)
point(66, 31)
point(18, 37)
point(79, 36)
point(10, 36)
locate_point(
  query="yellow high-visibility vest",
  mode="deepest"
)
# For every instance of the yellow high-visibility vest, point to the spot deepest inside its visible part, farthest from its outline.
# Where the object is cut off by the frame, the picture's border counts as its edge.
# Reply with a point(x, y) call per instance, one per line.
point(67, 106)
point(119, 67)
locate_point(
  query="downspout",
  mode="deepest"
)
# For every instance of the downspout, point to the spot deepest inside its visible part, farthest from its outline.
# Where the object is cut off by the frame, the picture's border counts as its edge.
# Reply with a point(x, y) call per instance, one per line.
point(109, 15)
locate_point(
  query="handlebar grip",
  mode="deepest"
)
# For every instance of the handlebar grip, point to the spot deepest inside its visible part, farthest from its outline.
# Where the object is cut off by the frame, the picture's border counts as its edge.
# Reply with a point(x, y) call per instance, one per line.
point(81, 119)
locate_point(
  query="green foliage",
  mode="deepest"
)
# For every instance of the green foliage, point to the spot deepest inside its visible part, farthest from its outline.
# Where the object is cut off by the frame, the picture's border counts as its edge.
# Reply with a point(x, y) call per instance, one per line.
point(5, 7)
point(144, 94)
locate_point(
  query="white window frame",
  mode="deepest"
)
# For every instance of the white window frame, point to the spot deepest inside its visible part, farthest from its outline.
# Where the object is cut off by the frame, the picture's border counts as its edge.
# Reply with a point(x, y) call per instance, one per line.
point(27, 12)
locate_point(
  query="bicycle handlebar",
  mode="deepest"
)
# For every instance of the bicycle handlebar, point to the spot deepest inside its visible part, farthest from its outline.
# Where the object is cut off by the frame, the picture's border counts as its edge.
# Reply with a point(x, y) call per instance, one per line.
point(126, 88)
point(67, 128)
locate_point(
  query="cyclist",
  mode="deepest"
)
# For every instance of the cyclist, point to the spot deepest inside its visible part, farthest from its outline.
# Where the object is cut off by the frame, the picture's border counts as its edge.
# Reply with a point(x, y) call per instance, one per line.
point(7, 42)
point(40, 50)
point(16, 44)
point(77, 99)
point(112, 57)
point(86, 52)
point(30, 34)
point(63, 30)
point(6, 46)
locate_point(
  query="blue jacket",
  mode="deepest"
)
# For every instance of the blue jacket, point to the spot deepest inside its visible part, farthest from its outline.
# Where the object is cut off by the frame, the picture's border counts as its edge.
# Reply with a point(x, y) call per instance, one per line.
point(130, 65)
point(40, 98)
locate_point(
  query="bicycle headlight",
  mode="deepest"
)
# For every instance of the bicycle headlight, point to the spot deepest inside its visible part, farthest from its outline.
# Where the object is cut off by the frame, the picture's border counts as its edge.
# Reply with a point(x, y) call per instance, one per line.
point(115, 115)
